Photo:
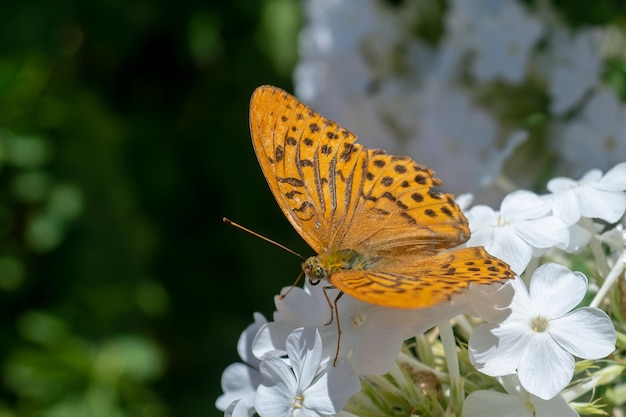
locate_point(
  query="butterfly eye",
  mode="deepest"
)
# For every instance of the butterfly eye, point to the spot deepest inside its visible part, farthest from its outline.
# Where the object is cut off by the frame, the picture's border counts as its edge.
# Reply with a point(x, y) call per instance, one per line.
point(319, 272)
point(313, 269)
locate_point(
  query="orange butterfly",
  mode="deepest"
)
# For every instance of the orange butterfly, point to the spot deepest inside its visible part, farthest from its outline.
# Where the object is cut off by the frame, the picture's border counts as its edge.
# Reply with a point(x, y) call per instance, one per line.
point(380, 230)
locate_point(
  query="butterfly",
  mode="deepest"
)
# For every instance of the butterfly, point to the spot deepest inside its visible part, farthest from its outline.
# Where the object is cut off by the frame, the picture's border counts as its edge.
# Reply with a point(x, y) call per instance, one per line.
point(382, 232)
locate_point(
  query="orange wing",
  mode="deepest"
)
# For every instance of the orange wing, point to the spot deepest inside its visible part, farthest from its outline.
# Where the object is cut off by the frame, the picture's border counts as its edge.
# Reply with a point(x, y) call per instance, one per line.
point(401, 213)
point(338, 194)
point(422, 282)
point(311, 164)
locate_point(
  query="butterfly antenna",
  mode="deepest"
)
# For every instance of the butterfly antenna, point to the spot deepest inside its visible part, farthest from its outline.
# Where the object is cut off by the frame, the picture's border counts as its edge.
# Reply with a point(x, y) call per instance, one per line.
point(282, 296)
point(273, 242)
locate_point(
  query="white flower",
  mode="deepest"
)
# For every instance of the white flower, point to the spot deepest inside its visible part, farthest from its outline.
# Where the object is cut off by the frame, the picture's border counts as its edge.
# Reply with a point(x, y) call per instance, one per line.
point(309, 387)
point(522, 225)
point(517, 403)
point(541, 336)
point(574, 67)
point(593, 196)
point(596, 138)
point(300, 307)
point(503, 43)
point(452, 132)
point(494, 162)
point(240, 380)
point(465, 16)
point(239, 408)
point(371, 336)
point(615, 239)
point(490, 301)
point(330, 48)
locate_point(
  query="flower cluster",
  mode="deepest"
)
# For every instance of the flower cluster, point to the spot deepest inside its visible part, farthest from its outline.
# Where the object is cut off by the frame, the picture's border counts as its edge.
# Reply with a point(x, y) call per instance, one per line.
point(466, 99)
point(524, 344)
point(455, 86)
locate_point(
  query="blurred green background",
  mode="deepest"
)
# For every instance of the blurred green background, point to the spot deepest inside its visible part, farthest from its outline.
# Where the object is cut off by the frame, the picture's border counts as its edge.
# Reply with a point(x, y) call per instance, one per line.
point(123, 141)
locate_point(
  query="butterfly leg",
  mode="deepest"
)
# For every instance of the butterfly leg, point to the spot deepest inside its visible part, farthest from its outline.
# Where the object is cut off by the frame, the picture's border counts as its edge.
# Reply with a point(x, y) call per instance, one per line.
point(330, 304)
point(334, 315)
point(338, 327)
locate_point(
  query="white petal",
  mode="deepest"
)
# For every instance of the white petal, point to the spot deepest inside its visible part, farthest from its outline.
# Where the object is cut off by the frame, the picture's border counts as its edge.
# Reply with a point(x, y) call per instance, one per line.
point(545, 368)
point(424, 319)
point(587, 333)
point(482, 236)
point(558, 184)
point(511, 384)
point(522, 310)
point(275, 396)
point(307, 412)
point(373, 335)
point(238, 409)
point(522, 204)
point(565, 206)
point(494, 404)
point(275, 371)
point(555, 290)
point(496, 350)
point(490, 302)
point(300, 309)
point(593, 175)
point(239, 382)
point(557, 406)
point(304, 347)
point(579, 237)
point(544, 232)
point(464, 201)
point(510, 247)
point(614, 179)
point(332, 390)
point(270, 340)
point(481, 216)
point(244, 345)
point(605, 205)
point(375, 351)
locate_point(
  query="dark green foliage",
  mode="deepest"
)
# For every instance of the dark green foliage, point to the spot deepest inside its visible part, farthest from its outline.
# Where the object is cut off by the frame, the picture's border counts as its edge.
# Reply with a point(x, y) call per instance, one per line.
point(124, 140)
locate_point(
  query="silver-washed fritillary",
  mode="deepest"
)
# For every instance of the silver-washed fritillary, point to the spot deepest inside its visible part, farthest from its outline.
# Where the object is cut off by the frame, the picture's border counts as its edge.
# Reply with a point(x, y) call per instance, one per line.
point(381, 231)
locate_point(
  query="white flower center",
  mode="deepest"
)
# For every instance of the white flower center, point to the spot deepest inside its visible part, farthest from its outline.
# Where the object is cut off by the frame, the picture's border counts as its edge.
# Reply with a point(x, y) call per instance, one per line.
point(539, 324)
point(297, 401)
point(358, 319)
point(501, 221)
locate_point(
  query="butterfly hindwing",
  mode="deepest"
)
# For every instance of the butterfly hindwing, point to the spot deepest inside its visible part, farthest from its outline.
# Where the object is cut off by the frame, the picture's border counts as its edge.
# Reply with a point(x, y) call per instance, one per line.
point(422, 282)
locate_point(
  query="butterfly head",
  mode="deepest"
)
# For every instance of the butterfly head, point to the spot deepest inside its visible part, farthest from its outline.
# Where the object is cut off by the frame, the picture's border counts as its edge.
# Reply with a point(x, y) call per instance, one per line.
point(314, 269)
point(322, 266)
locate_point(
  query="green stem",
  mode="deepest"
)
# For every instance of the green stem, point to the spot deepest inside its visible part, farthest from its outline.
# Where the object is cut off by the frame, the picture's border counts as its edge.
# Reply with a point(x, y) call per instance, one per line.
point(596, 248)
point(452, 360)
point(614, 274)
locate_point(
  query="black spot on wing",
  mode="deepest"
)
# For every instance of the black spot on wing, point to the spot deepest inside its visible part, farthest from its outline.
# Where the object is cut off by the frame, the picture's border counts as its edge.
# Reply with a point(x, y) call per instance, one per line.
point(295, 182)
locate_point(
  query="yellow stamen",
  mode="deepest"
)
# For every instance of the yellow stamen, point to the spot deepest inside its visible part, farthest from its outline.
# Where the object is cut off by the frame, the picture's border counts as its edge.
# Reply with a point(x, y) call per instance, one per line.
point(298, 401)
point(539, 324)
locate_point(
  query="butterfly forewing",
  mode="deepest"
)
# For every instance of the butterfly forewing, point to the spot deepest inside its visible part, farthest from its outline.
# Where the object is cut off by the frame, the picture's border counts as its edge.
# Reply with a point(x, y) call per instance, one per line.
point(383, 209)
point(313, 167)
point(405, 213)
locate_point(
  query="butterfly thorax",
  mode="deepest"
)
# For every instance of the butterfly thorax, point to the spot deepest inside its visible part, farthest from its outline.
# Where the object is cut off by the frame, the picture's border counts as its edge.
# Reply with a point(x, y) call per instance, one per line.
point(323, 266)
